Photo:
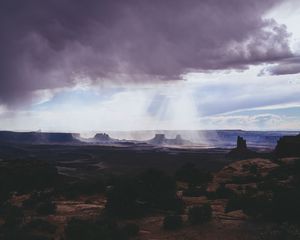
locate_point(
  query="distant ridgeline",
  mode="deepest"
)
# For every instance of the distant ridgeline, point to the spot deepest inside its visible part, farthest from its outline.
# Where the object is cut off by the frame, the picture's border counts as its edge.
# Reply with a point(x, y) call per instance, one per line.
point(159, 139)
point(288, 146)
point(37, 137)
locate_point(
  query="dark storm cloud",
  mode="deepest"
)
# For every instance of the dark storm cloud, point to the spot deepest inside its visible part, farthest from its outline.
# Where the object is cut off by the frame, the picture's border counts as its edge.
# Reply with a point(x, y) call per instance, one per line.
point(44, 44)
point(284, 67)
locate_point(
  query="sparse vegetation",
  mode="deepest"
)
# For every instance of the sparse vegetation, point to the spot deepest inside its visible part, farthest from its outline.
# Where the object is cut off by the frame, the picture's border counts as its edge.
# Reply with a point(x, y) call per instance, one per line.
point(77, 229)
point(253, 169)
point(81, 187)
point(122, 199)
point(172, 222)
point(200, 214)
point(223, 192)
point(130, 230)
point(194, 191)
point(46, 208)
point(286, 205)
point(40, 225)
point(134, 197)
point(13, 216)
point(253, 205)
point(283, 231)
point(25, 176)
point(192, 175)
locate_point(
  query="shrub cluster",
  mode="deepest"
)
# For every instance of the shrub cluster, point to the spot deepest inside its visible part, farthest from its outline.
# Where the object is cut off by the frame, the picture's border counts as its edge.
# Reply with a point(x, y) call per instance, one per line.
point(279, 232)
point(46, 208)
point(40, 202)
point(21, 176)
point(103, 229)
point(200, 214)
point(132, 197)
point(172, 222)
point(81, 187)
point(191, 174)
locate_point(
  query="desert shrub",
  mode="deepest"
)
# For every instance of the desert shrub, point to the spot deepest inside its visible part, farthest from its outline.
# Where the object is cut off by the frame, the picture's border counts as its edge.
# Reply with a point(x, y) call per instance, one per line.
point(281, 173)
point(83, 187)
point(258, 206)
point(286, 205)
point(29, 203)
point(26, 176)
point(157, 189)
point(40, 225)
point(22, 235)
point(194, 191)
point(133, 197)
point(284, 231)
point(35, 198)
point(122, 199)
point(235, 202)
point(282, 205)
point(296, 168)
point(200, 214)
point(130, 230)
point(172, 222)
point(268, 184)
point(191, 174)
point(251, 190)
point(4, 195)
point(221, 192)
point(177, 205)
point(46, 208)
point(13, 216)
point(253, 169)
point(252, 205)
point(245, 179)
point(29, 236)
point(77, 229)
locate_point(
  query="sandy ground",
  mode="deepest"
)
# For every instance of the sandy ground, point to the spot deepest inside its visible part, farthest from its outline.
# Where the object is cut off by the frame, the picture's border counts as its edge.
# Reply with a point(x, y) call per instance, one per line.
point(223, 226)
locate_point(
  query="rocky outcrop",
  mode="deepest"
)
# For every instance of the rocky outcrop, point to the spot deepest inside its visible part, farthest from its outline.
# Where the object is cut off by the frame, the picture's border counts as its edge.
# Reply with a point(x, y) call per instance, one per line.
point(242, 174)
point(241, 151)
point(288, 146)
point(160, 139)
point(241, 143)
point(102, 137)
point(179, 141)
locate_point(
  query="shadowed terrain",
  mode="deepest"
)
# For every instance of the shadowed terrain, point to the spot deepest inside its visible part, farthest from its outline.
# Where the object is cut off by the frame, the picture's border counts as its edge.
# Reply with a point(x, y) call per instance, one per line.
point(144, 191)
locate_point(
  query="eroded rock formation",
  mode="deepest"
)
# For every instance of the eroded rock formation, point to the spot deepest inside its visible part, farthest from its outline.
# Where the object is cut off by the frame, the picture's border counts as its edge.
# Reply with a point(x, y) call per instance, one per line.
point(241, 151)
point(102, 137)
point(288, 146)
point(160, 139)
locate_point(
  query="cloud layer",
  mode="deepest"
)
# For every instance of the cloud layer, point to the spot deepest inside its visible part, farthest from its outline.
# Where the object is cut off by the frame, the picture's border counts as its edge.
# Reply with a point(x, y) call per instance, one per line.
point(285, 67)
point(56, 43)
point(206, 101)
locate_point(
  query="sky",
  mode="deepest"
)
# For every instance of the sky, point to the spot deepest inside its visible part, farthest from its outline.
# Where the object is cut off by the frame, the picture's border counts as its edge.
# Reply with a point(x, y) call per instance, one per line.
point(99, 65)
